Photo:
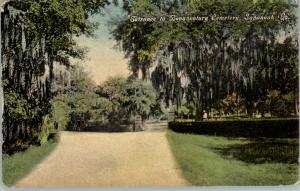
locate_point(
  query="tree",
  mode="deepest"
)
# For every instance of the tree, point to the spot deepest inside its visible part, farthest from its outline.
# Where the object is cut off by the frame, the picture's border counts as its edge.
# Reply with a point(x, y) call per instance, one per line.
point(128, 97)
point(80, 97)
point(203, 62)
point(141, 97)
point(102, 108)
point(37, 34)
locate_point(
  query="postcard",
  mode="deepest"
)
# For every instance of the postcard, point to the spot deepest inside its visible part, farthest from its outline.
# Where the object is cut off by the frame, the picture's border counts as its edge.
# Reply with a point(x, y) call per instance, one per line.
point(149, 93)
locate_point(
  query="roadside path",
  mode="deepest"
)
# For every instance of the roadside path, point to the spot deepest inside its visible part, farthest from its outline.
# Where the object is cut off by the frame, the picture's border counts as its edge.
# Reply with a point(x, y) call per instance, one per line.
point(91, 160)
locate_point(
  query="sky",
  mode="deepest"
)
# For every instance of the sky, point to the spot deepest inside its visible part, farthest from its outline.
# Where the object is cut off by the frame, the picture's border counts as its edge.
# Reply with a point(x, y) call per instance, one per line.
point(103, 60)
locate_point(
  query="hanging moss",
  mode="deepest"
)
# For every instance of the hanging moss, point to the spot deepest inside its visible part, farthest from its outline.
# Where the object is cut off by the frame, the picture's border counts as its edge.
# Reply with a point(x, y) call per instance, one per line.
point(36, 34)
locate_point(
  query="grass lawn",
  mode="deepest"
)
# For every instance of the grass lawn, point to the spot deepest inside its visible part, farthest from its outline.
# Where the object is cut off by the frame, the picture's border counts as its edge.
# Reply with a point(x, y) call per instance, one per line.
point(20, 164)
point(216, 161)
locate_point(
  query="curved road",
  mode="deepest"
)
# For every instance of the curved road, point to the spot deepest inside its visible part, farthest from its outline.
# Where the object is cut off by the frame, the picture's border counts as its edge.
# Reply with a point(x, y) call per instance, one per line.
point(91, 160)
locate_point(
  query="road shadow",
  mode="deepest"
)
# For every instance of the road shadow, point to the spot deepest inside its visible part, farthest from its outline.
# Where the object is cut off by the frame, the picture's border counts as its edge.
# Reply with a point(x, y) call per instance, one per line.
point(263, 151)
point(95, 126)
point(106, 127)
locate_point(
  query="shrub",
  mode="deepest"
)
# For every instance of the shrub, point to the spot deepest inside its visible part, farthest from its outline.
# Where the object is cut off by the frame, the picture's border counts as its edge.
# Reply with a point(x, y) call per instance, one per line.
point(78, 121)
point(274, 128)
point(48, 128)
point(60, 113)
point(280, 107)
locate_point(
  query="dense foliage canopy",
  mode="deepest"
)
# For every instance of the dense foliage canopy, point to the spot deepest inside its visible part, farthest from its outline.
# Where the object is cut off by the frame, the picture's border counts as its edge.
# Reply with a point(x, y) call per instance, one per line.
point(203, 62)
point(36, 35)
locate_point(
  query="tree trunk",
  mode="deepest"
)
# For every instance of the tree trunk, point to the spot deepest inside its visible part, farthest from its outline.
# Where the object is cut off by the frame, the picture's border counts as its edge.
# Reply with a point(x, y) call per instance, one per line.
point(296, 104)
point(199, 112)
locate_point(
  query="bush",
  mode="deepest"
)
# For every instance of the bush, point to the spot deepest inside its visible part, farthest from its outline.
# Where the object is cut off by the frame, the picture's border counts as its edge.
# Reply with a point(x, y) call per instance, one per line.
point(78, 121)
point(60, 113)
point(49, 128)
point(280, 107)
point(54, 122)
point(275, 128)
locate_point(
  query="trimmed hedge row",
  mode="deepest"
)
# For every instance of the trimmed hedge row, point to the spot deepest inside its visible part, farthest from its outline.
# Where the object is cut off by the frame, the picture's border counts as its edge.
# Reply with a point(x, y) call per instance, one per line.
point(274, 128)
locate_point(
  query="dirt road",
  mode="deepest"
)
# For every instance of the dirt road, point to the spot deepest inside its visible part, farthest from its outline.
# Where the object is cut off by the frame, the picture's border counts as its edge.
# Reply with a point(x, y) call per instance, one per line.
point(89, 160)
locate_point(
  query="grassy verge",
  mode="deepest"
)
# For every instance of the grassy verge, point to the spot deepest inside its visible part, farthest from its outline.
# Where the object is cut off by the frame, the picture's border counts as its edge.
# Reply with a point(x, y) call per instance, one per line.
point(20, 164)
point(216, 161)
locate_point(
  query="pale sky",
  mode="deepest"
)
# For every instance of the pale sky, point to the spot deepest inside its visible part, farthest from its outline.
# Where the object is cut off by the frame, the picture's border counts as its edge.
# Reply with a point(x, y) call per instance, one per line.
point(103, 60)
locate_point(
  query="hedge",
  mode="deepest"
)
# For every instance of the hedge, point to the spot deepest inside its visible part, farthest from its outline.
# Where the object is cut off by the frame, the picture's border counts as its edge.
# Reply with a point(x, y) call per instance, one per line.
point(274, 128)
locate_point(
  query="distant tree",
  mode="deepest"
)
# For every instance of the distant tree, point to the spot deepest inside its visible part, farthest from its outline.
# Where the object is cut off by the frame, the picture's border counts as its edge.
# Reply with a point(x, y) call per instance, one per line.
point(114, 89)
point(102, 107)
point(141, 97)
point(183, 111)
point(128, 98)
point(233, 104)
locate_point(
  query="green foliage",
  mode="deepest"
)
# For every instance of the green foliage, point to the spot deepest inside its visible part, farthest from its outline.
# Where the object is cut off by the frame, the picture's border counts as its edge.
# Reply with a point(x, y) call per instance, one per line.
point(78, 100)
point(155, 35)
point(114, 90)
point(141, 96)
point(183, 110)
point(47, 127)
point(116, 100)
point(206, 62)
point(59, 21)
point(101, 109)
point(232, 104)
point(43, 34)
point(17, 108)
point(56, 121)
point(158, 109)
point(271, 128)
point(186, 110)
point(125, 98)
point(279, 104)
point(60, 113)
point(280, 107)
point(273, 94)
